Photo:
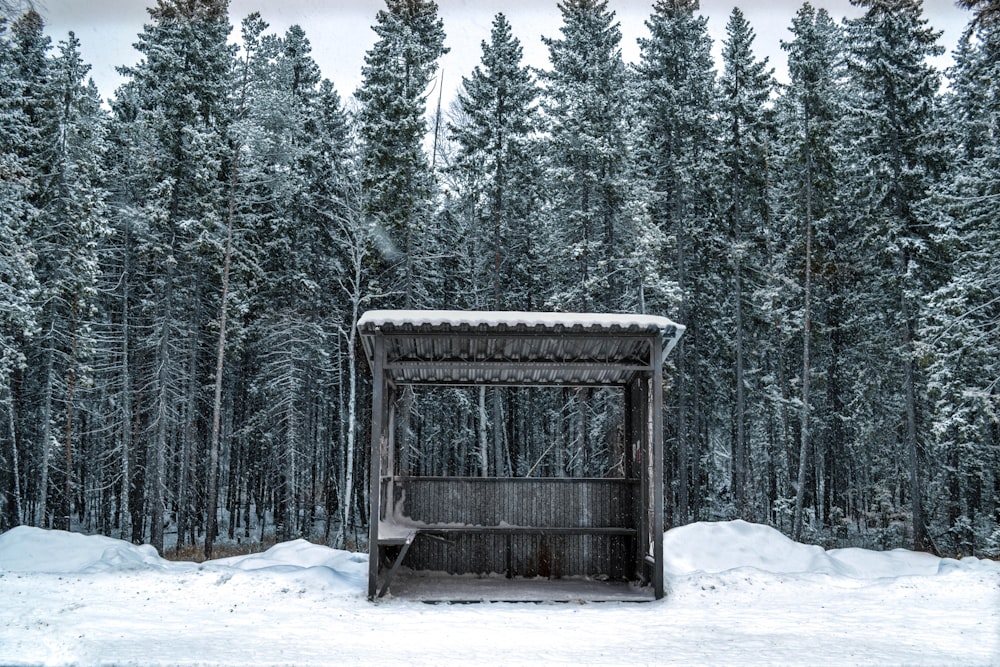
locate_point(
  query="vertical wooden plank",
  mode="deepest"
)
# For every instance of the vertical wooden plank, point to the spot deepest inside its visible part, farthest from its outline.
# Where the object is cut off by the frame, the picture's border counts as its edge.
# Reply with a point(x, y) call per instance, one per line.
point(375, 488)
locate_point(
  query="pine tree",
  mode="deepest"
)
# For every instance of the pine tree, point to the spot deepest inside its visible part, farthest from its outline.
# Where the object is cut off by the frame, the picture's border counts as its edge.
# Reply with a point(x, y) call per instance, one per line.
point(810, 111)
point(495, 164)
point(987, 12)
point(960, 320)
point(301, 168)
point(61, 145)
point(746, 86)
point(496, 169)
point(174, 111)
point(18, 287)
point(29, 56)
point(675, 148)
point(69, 195)
point(584, 108)
point(899, 154)
point(398, 72)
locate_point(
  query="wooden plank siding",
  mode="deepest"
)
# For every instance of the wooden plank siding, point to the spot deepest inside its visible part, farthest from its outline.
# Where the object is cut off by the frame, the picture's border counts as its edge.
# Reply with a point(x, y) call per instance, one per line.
point(517, 501)
point(543, 555)
point(549, 527)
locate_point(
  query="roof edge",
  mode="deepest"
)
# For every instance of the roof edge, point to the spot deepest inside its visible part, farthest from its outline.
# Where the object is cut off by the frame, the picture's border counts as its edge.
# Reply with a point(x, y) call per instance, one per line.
point(502, 319)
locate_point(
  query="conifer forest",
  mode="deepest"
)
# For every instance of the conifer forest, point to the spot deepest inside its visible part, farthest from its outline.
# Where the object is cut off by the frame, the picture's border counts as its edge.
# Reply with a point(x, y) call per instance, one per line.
point(183, 267)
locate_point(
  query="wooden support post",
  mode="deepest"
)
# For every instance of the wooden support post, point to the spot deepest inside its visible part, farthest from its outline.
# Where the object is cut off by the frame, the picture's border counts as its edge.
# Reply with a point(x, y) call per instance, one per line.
point(643, 472)
point(635, 437)
point(379, 407)
point(656, 405)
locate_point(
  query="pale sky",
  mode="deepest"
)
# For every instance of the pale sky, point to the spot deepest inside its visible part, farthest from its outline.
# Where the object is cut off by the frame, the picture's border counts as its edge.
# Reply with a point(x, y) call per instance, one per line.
point(340, 30)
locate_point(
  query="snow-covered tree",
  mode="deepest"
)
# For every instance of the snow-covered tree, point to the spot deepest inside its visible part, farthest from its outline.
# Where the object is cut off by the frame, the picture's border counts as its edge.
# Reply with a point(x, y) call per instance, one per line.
point(496, 165)
point(675, 152)
point(18, 286)
point(398, 72)
point(174, 111)
point(960, 336)
point(72, 217)
point(584, 112)
point(809, 113)
point(899, 154)
point(297, 163)
point(746, 86)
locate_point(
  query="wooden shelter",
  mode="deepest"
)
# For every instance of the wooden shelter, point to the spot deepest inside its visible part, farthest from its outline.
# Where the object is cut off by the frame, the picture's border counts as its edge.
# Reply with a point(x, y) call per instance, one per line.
point(602, 534)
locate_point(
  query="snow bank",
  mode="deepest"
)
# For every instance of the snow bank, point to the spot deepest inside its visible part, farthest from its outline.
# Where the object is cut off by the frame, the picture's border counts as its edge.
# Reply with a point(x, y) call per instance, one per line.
point(704, 547)
point(723, 546)
point(306, 564)
point(27, 549)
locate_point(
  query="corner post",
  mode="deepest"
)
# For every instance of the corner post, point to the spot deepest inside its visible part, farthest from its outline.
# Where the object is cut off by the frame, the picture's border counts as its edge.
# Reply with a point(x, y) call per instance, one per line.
point(375, 481)
point(656, 442)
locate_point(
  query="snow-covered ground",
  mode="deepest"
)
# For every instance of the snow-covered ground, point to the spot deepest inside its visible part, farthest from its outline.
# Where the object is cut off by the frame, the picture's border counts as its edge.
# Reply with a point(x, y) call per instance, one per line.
point(738, 593)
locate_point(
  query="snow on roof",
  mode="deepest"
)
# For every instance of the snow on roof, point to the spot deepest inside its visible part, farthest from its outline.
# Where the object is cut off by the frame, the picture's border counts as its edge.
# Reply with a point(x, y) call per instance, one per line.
point(514, 319)
point(516, 348)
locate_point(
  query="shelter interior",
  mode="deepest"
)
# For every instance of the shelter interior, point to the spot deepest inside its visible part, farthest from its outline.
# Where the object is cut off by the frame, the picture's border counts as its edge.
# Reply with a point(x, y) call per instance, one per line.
point(471, 510)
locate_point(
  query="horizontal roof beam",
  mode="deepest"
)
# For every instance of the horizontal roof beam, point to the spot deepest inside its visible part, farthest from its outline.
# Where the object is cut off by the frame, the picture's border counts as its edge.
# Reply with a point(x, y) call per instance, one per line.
point(527, 372)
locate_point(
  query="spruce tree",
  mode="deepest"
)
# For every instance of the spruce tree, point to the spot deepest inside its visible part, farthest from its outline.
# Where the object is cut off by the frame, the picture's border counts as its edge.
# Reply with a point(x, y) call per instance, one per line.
point(174, 112)
point(496, 169)
point(960, 319)
point(675, 151)
point(987, 12)
point(810, 110)
point(495, 163)
point(18, 307)
point(398, 72)
point(292, 183)
point(27, 79)
point(584, 108)
point(899, 160)
point(72, 219)
point(746, 85)
point(61, 143)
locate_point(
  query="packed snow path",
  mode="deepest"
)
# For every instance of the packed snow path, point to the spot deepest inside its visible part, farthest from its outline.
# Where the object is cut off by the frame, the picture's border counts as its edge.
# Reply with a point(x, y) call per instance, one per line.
point(738, 593)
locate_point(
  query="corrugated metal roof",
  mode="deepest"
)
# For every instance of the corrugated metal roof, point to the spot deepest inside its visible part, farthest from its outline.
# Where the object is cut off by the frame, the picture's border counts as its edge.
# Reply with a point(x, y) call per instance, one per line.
point(516, 348)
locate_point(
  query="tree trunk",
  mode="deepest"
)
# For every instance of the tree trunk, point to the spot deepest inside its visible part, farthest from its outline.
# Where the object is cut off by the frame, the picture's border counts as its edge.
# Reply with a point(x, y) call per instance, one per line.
point(289, 488)
point(680, 361)
point(212, 484)
point(921, 539)
point(156, 456)
point(484, 444)
point(66, 511)
point(347, 502)
point(183, 495)
point(45, 446)
point(125, 517)
point(18, 515)
point(739, 446)
point(503, 460)
point(800, 485)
